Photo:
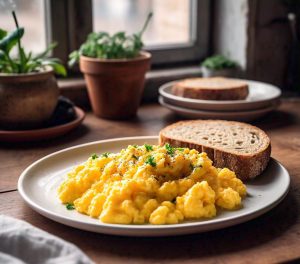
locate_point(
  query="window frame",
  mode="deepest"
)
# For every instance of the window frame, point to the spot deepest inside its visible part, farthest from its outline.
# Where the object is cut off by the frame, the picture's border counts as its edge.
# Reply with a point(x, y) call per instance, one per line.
point(69, 26)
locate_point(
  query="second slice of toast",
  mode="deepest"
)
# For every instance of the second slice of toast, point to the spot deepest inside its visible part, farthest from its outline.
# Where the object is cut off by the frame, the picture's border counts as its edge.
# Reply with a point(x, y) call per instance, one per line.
point(241, 147)
point(216, 88)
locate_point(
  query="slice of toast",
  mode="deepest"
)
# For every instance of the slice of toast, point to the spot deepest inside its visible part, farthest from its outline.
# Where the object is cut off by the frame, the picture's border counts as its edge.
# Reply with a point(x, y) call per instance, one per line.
point(241, 147)
point(215, 88)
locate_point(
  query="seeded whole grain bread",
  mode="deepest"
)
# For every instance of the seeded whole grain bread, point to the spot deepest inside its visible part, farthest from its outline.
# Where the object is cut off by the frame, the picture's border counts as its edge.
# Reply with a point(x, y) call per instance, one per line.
point(241, 147)
point(215, 88)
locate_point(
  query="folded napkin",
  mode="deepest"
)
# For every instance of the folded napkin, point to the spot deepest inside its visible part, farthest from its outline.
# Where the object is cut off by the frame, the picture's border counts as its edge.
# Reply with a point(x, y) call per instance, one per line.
point(22, 243)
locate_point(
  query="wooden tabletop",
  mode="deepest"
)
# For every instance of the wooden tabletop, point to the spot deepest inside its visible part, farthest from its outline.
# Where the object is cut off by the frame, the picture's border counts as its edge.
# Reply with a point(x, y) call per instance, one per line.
point(273, 237)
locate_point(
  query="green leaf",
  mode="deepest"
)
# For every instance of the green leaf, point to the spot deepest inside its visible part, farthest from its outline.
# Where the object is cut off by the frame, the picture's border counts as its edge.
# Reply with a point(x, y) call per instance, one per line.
point(46, 51)
point(73, 58)
point(119, 35)
point(57, 67)
point(11, 39)
point(2, 55)
point(218, 62)
point(23, 60)
point(3, 33)
point(118, 46)
point(10, 65)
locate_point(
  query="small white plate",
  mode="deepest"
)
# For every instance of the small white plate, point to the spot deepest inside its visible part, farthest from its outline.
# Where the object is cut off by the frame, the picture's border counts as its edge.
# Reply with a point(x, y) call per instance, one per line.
point(261, 95)
point(38, 186)
point(247, 115)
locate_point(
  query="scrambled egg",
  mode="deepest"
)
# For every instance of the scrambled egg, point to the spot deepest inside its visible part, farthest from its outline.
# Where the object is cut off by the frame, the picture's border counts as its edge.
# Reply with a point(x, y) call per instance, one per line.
point(151, 184)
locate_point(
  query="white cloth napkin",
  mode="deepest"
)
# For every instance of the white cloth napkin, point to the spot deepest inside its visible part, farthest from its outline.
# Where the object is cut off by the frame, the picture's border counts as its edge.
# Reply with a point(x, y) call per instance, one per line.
point(22, 243)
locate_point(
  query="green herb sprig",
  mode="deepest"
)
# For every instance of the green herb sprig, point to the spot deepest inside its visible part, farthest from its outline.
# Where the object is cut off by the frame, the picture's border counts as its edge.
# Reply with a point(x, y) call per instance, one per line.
point(70, 206)
point(94, 156)
point(148, 147)
point(150, 161)
point(102, 45)
point(170, 149)
point(105, 155)
point(180, 149)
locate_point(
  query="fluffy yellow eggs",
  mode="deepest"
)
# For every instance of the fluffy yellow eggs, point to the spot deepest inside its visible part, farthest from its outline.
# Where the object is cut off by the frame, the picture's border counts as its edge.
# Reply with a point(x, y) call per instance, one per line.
point(151, 184)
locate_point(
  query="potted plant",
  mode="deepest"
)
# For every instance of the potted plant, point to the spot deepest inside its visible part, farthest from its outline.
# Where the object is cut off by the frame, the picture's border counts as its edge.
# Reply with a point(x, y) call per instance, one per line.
point(28, 88)
point(114, 69)
point(219, 65)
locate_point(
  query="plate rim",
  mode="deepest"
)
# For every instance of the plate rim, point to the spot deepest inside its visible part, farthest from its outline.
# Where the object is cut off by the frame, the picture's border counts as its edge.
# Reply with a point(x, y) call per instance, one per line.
point(126, 229)
point(79, 118)
point(163, 93)
point(198, 111)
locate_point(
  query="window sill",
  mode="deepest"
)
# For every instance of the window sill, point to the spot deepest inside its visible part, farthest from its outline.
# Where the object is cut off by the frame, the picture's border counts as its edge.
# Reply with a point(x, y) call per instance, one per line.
point(75, 88)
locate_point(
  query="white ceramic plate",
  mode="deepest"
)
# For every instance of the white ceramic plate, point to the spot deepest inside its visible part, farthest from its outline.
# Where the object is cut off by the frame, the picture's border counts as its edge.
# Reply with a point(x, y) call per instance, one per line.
point(261, 95)
point(38, 184)
point(247, 115)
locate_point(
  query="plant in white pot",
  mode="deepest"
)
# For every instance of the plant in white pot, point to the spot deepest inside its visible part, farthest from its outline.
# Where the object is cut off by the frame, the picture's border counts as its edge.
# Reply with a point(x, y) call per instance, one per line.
point(219, 65)
point(114, 67)
point(28, 88)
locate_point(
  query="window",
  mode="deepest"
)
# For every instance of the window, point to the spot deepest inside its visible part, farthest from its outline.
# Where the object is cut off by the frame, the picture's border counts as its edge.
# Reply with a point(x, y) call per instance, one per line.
point(128, 15)
point(178, 31)
point(31, 16)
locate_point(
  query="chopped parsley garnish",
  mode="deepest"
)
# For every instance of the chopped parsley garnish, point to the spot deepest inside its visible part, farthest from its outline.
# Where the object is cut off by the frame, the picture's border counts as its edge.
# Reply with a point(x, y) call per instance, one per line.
point(105, 154)
point(94, 156)
point(135, 157)
point(70, 206)
point(148, 147)
point(135, 146)
point(180, 149)
point(169, 149)
point(150, 161)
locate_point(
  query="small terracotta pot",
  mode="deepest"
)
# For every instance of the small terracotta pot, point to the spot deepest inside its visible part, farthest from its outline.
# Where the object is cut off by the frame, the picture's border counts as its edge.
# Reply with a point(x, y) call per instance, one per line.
point(115, 86)
point(27, 100)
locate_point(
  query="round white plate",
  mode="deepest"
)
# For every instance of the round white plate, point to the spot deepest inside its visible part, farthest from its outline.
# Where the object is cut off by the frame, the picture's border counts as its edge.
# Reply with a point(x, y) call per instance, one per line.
point(261, 95)
point(247, 115)
point(38, 184)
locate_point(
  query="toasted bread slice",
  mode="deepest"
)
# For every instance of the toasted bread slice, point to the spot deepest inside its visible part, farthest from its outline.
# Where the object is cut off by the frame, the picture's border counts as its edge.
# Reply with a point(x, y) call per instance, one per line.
point(215, 88)
point(241, 147)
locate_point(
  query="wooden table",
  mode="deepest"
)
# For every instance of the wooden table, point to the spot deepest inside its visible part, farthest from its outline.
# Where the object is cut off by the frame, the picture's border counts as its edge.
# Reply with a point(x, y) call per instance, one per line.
point(273, 237)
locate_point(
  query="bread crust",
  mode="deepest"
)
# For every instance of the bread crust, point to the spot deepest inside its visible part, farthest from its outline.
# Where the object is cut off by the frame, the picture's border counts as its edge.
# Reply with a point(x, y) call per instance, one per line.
point(230, 90)
point(245, 166)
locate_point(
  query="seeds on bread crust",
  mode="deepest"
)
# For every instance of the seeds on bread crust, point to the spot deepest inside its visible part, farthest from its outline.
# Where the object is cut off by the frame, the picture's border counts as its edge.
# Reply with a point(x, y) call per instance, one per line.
point(240, 147)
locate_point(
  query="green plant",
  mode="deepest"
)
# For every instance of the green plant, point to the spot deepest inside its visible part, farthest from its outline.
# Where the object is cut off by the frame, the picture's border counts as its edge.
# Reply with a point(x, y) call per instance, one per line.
point(105, 46)
point(24, 62)
point(219, 62)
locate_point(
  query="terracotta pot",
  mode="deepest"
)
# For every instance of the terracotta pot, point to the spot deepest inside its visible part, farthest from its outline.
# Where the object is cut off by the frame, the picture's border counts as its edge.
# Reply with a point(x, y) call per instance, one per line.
point(115, 86)
point(27, 100)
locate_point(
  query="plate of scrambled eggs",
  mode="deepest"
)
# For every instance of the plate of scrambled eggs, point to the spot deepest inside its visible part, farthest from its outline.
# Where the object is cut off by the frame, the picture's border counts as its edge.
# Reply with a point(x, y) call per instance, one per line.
point(132, 186)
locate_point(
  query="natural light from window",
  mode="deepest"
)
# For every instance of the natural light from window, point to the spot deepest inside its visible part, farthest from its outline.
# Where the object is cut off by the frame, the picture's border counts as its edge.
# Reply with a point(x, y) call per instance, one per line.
point(31, 16)
point(170, 23)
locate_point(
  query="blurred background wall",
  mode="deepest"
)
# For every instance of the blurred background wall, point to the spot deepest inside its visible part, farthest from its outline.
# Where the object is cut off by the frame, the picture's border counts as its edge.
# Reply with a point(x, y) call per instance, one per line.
point(258, 34)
